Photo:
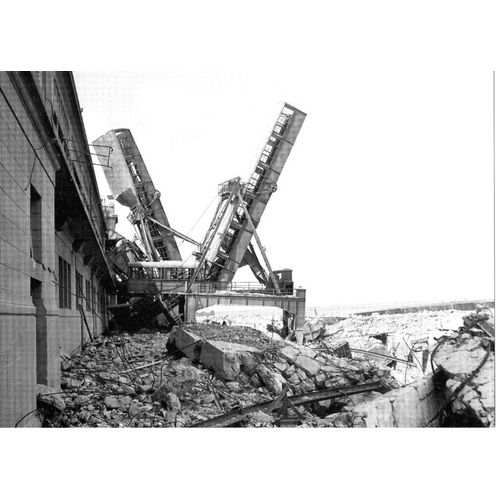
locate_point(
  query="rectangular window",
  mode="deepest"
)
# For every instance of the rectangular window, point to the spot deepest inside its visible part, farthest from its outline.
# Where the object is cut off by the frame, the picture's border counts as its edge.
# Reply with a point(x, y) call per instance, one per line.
point(93, 299)
point(36, 225)
point(79, 288)
point(64, 284)
point(87, 295)
point(153, 229)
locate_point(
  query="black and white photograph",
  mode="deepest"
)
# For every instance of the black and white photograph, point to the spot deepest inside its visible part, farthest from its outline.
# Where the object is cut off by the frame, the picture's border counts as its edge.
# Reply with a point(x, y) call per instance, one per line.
point(276, 224)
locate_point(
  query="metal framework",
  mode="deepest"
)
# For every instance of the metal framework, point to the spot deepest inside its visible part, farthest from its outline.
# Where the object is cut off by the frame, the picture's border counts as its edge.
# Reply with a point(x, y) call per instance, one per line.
point(227, 242)
point(132, 186)
point(227, 245)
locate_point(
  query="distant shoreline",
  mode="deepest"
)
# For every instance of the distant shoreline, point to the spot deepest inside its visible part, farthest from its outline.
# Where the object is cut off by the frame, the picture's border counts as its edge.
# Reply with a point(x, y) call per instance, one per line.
point(395, 307)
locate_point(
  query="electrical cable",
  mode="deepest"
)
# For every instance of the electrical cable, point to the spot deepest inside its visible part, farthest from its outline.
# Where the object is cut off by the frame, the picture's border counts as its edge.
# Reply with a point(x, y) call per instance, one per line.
point(26, 135)
point(200, 217)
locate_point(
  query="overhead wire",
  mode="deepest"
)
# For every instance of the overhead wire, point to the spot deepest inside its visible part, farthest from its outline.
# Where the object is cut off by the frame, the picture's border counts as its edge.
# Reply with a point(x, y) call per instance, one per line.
point(35, 150)
point(200, 217)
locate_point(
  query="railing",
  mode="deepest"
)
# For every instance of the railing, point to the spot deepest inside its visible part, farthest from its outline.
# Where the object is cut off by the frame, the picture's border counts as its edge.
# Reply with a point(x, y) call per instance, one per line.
point(237, 287)
point(178, 285)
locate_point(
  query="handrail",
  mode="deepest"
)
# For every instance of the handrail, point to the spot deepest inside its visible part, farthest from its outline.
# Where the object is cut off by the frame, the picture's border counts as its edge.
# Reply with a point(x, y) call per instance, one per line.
point(204, 286)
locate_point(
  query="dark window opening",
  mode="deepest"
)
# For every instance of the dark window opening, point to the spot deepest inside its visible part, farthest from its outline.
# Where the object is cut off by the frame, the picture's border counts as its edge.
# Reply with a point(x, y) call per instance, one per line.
point(87, 295)
point(79, 288)
point(36, 225)
point(64, 284)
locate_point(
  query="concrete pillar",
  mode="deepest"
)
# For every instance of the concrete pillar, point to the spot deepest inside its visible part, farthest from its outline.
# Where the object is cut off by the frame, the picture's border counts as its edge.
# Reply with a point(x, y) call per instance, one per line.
point(301, 308)
point(41, 341)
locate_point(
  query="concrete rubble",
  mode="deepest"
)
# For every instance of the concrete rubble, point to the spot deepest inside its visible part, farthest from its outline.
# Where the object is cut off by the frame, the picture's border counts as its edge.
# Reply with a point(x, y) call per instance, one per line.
point(458, 389)
point(199, 373)
point(133, 381)
point(466, 360)
point(410, 336)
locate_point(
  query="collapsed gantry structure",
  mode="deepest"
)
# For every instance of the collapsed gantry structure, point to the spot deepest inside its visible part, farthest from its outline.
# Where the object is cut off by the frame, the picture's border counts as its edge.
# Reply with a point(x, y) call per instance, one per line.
point(227, 244)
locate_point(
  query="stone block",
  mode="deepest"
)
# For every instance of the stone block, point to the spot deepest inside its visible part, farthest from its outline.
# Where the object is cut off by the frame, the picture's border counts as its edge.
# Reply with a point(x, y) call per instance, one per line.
point(330, 369)
point(281, 366)
point(225, 358)
point(310, 366)
point(402, 407)
point(272, 380)
point(248, 362)
point(289, 353)
point(261, 419)
point(289, 371)
point(307, 351)
point(320, 380)
point(188, 343)
point(111, 403)
point(307, 386)
point(183, 382)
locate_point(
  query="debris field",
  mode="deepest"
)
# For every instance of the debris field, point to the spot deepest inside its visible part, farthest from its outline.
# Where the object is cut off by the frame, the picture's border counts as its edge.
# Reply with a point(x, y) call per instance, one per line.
point(131, 380)
point(210, 375)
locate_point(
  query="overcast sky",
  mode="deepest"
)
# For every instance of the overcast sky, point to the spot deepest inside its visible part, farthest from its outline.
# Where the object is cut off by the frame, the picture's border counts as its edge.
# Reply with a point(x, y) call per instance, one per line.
point(386, 196)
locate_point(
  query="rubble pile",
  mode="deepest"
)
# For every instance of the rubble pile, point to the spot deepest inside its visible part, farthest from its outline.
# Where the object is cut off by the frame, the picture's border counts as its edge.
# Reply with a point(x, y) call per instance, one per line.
point(202, 372)
point(279, 365)
point(458, 391)
point(363, 331)
point(409, 336)
point(466, 360)
point(130, 381)
point(305, 370)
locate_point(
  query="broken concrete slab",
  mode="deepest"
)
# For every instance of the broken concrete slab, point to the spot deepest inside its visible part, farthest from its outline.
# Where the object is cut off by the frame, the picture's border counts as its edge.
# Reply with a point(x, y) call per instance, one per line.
point(113, 403)
point(248, 361)
point(289, 371)
point(309, 365)
point(225, 358)
point(261, 419)
point(168, 400)
point(307, 351)
point(272, 380)
point(468, 363)
point(183, 382)
point(187, 342)
point(289, 353)
point(415, 405)
point(282, 367)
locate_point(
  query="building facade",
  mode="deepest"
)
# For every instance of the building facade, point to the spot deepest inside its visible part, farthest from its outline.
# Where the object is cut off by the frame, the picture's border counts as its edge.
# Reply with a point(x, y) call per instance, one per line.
point(55, 281)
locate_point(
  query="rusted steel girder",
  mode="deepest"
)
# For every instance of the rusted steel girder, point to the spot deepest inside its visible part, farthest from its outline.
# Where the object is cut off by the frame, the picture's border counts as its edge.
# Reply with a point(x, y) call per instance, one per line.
point(238, 414)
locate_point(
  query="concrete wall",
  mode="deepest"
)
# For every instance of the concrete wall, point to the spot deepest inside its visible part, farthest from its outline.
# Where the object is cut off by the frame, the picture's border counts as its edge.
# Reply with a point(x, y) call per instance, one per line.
point(33, 330)
point(415, 405)
point(17, 312)
point(294, 304)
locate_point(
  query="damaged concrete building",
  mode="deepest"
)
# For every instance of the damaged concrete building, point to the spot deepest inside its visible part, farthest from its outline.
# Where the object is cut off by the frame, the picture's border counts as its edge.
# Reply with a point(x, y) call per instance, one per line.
point(55, 280)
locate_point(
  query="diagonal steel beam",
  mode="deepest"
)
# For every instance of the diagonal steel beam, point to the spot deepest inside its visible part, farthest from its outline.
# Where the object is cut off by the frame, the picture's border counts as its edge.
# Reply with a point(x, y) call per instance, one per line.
point(335, 392)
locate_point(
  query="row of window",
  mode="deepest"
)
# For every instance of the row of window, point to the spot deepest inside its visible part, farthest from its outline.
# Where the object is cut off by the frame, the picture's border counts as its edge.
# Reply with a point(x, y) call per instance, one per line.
point(90, 297)
point(177, 273)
